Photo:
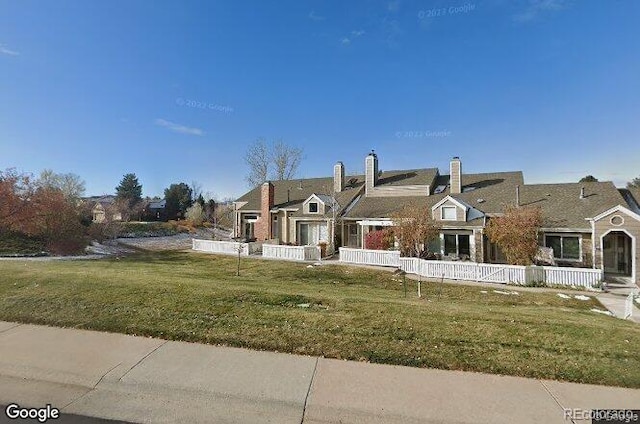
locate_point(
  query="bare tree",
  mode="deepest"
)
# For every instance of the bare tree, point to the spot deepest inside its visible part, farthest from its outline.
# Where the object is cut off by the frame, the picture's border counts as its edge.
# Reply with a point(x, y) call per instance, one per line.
point(286, 160)
point(71, 185)
point(635, 183)
point(257, 157)
point(277, 160)
point(196, 189)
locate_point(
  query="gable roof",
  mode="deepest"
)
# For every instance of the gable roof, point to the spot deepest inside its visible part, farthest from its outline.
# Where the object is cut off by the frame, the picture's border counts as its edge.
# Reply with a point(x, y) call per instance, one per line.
point(452, 199)
point(291, 194)
point(562, 206)
point(618, 208)
point(494, 189)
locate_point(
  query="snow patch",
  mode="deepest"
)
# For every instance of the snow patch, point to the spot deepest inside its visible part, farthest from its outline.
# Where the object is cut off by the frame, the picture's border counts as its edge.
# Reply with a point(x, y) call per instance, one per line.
point(581, 297)
point(564, 296)
point(600, 311)
point(507, 292)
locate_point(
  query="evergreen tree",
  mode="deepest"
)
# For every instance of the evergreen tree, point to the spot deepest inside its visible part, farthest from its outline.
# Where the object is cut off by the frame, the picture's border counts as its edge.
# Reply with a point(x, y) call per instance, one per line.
point(129, 190)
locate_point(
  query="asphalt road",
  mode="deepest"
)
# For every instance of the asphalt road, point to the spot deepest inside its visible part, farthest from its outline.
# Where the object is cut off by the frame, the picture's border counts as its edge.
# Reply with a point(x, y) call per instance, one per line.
point(64, 419)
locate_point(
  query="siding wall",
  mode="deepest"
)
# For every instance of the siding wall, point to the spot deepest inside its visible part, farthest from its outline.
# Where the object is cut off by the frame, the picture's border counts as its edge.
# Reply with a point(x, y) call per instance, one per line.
point(631, 226)
point(397, 191)
point(460, 215)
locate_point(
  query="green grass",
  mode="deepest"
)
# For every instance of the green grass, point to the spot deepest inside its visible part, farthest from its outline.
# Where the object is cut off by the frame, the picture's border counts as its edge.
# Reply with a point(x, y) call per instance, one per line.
point(353, 313)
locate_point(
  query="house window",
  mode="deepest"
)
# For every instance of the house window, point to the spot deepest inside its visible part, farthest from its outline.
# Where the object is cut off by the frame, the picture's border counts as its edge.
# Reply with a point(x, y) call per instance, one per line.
point(274, 228)
point(457, 244)
point(313, 207)
point(448, 213)
point(564, 247)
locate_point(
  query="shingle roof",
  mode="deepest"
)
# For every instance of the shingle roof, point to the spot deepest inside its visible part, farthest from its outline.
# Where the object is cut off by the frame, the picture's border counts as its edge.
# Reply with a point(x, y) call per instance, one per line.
point(157, 204)
point(494, 189)
point(632, 196)
point(407, 177)
point(562, 206)
point(292, 193)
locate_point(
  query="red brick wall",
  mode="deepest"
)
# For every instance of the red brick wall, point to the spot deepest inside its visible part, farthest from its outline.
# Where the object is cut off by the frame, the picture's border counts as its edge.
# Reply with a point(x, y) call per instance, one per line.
point(263, 225)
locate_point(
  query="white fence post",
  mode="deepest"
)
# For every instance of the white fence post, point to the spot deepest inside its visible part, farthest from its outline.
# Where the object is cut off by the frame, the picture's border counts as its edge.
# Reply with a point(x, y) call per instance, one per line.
point(628, 306)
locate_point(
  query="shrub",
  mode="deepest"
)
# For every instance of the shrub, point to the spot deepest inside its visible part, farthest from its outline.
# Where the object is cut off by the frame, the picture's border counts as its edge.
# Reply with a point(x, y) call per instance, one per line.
point(516, 233)
point(415, 229)
point(151, 229)
point(379, 239)
point(13, 243)
point(195, 215)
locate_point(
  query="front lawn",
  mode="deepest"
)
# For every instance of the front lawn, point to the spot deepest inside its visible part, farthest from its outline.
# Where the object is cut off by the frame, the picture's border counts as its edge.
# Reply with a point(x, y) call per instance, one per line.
point(335, 311)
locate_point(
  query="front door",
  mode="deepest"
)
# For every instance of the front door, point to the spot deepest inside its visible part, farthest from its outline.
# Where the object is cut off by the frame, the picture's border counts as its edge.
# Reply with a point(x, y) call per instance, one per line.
point(616, 252)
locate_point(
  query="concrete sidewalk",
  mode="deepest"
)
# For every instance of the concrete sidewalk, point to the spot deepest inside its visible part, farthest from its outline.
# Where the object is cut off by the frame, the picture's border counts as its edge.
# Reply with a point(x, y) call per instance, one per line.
point(138, 379)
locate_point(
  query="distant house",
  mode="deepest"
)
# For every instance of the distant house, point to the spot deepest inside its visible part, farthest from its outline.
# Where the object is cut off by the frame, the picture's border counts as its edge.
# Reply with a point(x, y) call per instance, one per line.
point(104, 205)
point(590, 224)
point(155, 210)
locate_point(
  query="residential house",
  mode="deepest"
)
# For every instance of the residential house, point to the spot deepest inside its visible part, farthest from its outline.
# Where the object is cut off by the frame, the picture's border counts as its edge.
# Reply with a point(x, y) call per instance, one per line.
point(155, 210)
point(586, 224)
point(103, 205)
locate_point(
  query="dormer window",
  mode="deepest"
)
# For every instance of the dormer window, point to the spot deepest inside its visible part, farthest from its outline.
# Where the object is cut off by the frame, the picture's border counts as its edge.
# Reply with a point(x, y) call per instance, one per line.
point(448, 213)
point(313, 207)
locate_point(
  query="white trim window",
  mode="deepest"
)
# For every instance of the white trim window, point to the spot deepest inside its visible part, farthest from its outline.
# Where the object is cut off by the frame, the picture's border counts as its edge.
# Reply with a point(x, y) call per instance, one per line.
point(456, 244)
point(314, 207)
point(448, 213)
point(566, 247)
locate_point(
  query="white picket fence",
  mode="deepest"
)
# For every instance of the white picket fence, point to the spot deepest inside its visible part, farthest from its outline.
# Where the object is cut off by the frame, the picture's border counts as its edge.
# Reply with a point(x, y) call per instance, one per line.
point(370, 257)
point(222, 247)
point(579, 277)
point(471, 271)
point(292, 253)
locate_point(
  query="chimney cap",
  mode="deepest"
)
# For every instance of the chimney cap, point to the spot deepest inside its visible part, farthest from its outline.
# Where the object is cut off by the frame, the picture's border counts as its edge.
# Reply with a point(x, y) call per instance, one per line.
point(373, 153)
point(339, 163)
point(456, 158)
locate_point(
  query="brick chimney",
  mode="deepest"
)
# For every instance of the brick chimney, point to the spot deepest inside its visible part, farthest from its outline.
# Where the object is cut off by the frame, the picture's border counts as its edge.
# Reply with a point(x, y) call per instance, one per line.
point(263, 225)
point(338, 177)
point(371, 171)
point(455, 171)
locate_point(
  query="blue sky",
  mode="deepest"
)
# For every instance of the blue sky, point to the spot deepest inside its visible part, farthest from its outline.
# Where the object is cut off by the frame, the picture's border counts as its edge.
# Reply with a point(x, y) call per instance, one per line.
point(100, 89)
